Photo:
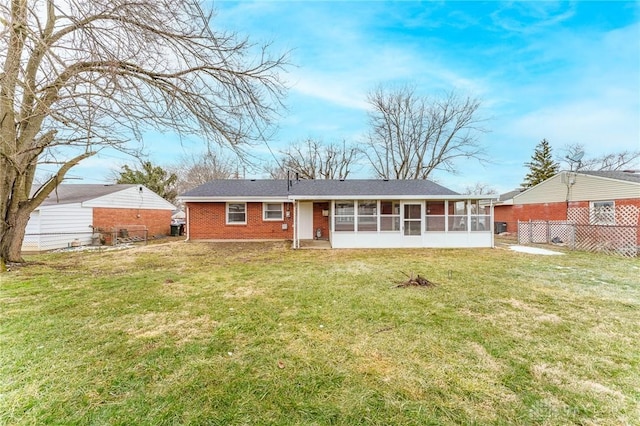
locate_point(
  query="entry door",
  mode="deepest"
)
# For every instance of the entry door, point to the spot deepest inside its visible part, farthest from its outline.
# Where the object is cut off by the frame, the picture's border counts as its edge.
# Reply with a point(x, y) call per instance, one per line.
point(412, 219)
point(305, 220)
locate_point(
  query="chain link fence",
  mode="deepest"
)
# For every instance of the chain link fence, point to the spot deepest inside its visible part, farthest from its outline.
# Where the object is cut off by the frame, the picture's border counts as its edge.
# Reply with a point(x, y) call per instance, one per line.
point(618, 236)
point(117, 235)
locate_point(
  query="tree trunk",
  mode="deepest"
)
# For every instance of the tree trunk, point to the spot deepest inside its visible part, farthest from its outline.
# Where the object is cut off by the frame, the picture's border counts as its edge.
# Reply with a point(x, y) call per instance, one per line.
point(13, 234)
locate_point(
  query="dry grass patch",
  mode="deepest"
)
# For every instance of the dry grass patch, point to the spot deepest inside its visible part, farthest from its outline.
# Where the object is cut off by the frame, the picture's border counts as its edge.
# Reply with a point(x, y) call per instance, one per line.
point(181, 327)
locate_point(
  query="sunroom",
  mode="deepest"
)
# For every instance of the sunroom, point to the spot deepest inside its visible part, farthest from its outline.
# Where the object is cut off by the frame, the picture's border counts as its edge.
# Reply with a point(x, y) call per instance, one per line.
point(455, 221)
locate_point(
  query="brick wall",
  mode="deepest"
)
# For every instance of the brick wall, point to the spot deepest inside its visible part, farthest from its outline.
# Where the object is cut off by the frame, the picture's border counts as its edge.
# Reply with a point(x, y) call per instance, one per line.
point(320, 221)
point(208, 221)
point(158, 222)
point(543, 211)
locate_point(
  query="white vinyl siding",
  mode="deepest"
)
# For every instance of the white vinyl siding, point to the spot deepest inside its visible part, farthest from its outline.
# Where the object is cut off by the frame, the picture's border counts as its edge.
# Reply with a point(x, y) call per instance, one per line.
point(578, 187)
point(57, 226)
point(131, 198)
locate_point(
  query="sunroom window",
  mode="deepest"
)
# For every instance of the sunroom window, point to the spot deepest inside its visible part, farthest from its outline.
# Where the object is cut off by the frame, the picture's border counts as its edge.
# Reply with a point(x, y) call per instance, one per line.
point(367, 216)
point(344, 217)
point(390, 215)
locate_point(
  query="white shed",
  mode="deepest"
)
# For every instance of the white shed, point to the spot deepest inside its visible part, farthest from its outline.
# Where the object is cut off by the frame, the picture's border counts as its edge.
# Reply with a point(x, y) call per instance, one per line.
point(70, 214)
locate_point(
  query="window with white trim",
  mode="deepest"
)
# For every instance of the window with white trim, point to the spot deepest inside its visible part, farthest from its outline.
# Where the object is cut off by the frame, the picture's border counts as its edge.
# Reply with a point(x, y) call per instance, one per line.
point(236, 213)
point(390, 215)
point(344, 216)
point(367, 215)
point(272, 211)
point(602, 213)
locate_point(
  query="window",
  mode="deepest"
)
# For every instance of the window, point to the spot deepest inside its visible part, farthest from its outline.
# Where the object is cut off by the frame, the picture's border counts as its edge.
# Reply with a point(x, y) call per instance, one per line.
point(457, 216)
point(479, 220)
point(602, 213)
point(272, 211)
point(344, 216)
point(434, 217)
point(236, 213)
point(367, 216)
point(412, 219)
point(390, 215)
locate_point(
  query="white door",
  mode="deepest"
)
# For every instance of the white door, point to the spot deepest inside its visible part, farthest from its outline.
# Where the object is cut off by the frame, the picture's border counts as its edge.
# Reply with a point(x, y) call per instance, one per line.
point(412, 219)
point(305, 220)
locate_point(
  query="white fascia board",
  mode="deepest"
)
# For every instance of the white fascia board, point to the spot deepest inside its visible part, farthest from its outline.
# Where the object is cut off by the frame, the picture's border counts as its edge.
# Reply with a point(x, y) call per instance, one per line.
point(390, 197)
point(234, 199)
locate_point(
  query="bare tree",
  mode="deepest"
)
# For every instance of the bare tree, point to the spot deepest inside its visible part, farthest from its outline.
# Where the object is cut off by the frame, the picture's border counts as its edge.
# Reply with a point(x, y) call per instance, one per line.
point(312, 159)
point(411, 136)
point(480, 188)
point(607, 162)
point(276, 171)
point(78, 76)
point(194, 170)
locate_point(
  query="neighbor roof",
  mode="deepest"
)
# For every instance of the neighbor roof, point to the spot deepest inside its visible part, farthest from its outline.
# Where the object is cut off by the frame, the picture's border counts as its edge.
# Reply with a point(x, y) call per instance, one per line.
point(320, 189)
point(79, 193)
point(509, 195)
point(628, 176)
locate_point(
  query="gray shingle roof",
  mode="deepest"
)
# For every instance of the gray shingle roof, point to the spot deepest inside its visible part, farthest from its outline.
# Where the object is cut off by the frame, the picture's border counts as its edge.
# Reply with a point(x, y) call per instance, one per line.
point(78, 193)
point(320, 188)
point(618, 175)
point(509, 195)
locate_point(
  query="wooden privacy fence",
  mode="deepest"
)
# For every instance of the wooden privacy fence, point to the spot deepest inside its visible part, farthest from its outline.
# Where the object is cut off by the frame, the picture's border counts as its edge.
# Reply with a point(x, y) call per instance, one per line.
point(582, 232)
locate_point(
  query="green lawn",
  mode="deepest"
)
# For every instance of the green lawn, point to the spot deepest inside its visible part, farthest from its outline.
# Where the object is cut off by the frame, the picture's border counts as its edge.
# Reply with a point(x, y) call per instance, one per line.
point(259, 334)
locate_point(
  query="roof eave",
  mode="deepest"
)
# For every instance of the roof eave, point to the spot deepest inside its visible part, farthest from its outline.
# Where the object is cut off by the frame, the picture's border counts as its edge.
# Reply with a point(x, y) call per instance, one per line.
point(243, 199)
point(280, 199)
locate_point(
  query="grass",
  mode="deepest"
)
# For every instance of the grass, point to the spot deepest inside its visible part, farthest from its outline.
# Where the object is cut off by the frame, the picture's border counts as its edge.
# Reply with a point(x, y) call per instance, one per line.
point(234, 334)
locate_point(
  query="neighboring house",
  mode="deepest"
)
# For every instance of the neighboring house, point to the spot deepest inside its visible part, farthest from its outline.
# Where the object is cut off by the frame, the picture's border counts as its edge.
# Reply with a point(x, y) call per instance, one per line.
point(585, 198)
point(71, 213)
point(347, 213)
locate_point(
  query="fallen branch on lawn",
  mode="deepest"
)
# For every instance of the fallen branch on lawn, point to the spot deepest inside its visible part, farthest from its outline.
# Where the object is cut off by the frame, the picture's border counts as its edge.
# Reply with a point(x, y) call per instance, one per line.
point(416, 281)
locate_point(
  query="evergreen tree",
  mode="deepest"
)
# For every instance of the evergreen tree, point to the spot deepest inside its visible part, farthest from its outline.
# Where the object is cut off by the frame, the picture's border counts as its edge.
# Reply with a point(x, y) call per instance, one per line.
point(541, 167)
point(153, 177)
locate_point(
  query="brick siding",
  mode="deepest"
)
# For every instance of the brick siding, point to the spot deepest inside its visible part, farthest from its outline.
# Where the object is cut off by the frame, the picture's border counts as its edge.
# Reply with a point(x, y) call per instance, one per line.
point(543, 211)
point(320, 221)
point(208, 221)
point(158, 222)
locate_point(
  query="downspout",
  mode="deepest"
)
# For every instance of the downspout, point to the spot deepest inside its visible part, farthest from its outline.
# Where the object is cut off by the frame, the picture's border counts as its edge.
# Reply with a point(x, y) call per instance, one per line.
point(187, 222)
point(295, 224)
point(492, 225)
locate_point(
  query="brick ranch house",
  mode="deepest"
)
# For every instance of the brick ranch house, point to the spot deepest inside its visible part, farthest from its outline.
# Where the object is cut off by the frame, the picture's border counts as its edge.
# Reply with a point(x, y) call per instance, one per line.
point(346, 213)
point(585, 198)
point(73, 211)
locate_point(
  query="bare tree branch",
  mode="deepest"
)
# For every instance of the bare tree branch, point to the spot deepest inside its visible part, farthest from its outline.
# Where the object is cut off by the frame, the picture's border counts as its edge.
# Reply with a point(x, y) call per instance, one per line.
point(411, 136)
point(312, 159)
point(78, 76)
point(195, 170)
point(606, 162)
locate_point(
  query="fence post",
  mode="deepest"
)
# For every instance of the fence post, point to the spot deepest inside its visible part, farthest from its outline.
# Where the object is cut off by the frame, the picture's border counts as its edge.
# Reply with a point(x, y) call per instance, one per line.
point(548, 232)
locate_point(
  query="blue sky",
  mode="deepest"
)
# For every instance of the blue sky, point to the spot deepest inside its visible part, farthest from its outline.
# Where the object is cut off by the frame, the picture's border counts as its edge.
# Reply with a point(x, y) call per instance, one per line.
point(565, 71)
